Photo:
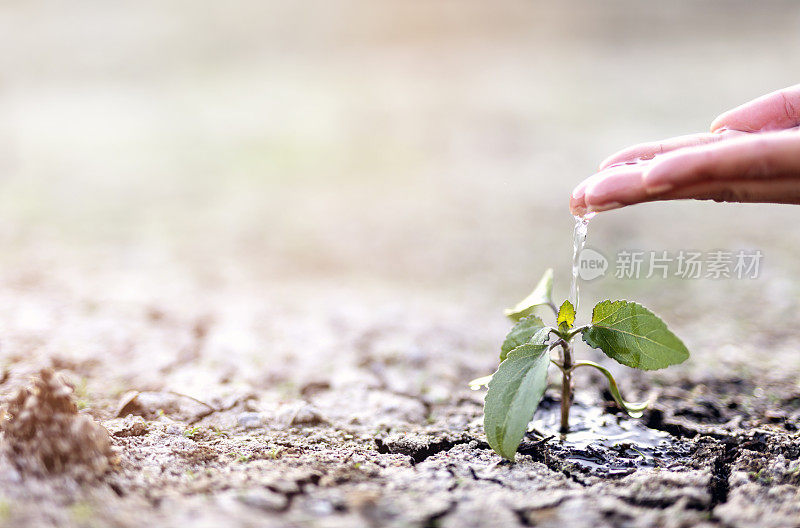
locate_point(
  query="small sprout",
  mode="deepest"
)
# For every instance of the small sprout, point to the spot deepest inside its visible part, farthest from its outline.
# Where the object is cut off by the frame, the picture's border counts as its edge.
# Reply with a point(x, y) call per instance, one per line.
point(761, 476)
point(81, 393)
point(219, 432)
point(81, 389)
point(625, 331)
point(190, 432)
point(244, 459)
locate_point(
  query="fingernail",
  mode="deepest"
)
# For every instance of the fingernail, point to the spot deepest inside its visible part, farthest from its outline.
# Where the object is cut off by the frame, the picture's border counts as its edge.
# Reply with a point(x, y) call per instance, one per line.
point(658, 189)
point(578, 210)
point(604, 207)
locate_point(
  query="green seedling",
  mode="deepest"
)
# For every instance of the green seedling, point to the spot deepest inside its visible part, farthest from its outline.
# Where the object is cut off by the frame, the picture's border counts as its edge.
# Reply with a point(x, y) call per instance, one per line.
point(190, 432)
point(625, 331)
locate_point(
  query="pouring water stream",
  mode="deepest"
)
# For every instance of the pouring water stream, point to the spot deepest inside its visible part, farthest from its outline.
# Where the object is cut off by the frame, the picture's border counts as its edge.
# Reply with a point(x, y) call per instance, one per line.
point(578, 243)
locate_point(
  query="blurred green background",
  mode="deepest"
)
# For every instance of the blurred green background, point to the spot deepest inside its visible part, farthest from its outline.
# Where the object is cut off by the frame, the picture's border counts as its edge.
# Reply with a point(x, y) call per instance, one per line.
point(421, 149)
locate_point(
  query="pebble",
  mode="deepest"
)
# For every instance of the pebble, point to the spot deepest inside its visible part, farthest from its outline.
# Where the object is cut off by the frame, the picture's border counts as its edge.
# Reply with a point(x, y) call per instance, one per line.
point(299, 413)
point(250, 420)
point(263, 500)
point(320, 507)
point(10, 475)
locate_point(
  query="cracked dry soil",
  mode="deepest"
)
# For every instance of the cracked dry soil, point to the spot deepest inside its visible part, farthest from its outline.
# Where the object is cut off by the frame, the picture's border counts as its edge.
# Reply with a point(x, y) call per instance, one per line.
point(371, 443)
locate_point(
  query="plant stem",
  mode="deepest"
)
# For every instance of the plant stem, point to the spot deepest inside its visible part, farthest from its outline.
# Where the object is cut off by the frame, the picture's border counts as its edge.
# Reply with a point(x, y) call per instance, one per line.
point(576, 331)
point(566, 385)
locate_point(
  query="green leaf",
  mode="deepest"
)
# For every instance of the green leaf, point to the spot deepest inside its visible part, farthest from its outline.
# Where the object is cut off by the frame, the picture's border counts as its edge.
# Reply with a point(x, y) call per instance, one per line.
point(540, 295)
point(514, 394)
point(566, 316)
point(522, 333)
point(633, 335)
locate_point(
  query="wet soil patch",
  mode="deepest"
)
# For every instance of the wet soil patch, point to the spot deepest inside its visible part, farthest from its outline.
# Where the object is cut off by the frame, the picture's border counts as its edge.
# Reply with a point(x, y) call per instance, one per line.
point(601, 444)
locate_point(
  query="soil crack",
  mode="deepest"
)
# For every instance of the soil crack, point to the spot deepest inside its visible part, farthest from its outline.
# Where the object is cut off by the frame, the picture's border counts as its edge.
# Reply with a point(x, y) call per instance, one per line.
point(435, 520)
point(418, 448)
point(539, 452)
point(719, 485)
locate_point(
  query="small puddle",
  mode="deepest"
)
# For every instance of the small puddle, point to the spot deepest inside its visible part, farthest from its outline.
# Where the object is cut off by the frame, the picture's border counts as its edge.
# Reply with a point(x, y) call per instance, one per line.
point(603, 444)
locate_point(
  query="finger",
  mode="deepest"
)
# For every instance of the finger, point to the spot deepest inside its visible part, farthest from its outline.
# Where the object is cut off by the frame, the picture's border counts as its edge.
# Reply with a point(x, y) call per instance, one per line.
point(577, 206)
point(768, 155)
point(783, 191)
point(645, 151)
point(615, 187)
point(578, 202)
point(774, 111)
point(780, 191)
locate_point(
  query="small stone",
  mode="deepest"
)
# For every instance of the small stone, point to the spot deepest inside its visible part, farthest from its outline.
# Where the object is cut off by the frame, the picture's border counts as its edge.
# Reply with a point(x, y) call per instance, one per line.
point(320, 507)
point(299, 413)
point(151, 405)
point(9, 475)
point(308, 415)
point(250, 420)
point(263, 499)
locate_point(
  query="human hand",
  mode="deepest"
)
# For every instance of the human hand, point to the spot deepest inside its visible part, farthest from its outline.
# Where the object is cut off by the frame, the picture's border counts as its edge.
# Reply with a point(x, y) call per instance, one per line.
point(752, 154)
